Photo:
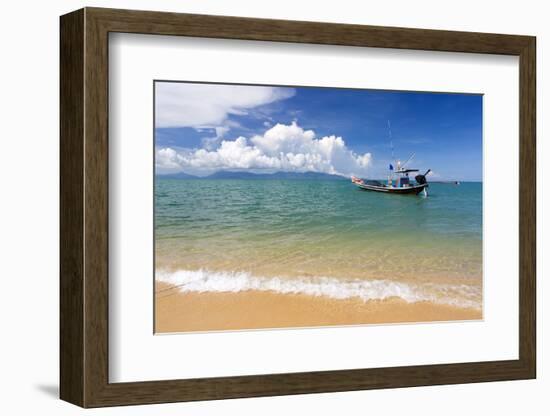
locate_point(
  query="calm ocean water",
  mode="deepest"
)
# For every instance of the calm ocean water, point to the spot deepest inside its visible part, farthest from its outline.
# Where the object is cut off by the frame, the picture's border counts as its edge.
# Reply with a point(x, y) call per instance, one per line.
point(320, 237)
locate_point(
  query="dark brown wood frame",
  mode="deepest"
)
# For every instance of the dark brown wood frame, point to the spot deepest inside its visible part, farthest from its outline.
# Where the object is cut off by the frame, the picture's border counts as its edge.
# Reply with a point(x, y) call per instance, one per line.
point(84, 207)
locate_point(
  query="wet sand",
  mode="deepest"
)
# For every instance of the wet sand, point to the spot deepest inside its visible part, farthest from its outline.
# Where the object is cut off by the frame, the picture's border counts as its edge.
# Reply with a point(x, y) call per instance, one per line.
point(218, 311)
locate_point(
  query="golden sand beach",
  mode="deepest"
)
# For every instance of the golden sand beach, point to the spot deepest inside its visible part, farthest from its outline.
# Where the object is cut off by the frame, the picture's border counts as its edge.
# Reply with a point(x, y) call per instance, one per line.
point(177, 311)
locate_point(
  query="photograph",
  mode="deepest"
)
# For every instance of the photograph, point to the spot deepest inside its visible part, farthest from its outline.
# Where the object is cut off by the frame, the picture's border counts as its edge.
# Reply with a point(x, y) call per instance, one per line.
point(293, 207)
point(309, 206)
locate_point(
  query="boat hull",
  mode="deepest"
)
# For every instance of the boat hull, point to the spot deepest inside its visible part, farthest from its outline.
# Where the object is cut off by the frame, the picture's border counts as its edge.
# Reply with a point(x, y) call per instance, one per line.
point(416, 189)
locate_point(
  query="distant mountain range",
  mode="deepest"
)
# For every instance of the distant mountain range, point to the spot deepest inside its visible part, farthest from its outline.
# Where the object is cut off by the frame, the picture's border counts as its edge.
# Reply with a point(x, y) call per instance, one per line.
point(179, 175)
point(223, 174)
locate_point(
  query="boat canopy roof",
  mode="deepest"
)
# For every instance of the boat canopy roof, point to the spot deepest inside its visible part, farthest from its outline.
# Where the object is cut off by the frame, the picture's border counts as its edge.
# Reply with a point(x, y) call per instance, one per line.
point(406, 170)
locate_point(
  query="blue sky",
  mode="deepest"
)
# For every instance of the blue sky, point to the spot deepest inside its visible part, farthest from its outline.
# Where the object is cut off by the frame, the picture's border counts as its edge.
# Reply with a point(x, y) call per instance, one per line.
point(201, 128)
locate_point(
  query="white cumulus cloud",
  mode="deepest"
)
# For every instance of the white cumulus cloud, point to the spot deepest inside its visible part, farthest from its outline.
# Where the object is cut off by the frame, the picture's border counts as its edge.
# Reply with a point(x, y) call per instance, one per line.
point(209, 105)
point(280, 148)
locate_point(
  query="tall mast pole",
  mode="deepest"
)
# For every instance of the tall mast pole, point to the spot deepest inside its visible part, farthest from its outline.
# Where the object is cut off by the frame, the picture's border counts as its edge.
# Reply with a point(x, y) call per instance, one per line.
point(391, 141)
point(390, 177)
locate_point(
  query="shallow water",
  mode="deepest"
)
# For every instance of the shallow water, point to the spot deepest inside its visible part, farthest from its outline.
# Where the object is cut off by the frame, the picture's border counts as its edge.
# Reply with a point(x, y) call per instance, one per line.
point(304, 234)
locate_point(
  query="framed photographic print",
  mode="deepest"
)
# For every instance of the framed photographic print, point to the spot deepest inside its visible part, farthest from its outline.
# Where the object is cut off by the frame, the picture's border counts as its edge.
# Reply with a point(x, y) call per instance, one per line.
point(256, 207)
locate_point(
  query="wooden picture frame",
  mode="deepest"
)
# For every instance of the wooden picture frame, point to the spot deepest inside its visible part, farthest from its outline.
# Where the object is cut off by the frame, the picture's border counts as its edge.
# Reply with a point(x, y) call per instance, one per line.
point(84, 207)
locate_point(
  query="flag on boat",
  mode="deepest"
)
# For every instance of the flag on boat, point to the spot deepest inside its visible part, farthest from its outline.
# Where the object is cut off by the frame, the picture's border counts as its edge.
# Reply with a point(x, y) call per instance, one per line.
point(391, 166)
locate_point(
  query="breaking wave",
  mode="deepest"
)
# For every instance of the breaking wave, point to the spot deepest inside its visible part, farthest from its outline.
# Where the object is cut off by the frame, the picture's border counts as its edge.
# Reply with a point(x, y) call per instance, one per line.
point(460, 295)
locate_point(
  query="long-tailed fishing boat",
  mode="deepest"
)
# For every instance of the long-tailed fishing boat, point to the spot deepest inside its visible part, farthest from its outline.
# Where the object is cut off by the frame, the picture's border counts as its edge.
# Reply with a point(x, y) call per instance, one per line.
point(401, 185)
point(398, 180)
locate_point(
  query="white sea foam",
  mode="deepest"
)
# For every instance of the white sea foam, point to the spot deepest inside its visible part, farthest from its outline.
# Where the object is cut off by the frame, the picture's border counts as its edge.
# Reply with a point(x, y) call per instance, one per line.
point(208, 281)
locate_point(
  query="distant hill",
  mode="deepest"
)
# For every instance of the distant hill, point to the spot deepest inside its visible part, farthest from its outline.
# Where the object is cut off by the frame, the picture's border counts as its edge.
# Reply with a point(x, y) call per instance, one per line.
point(224, 174)
point(179, 175)
point(276, 175)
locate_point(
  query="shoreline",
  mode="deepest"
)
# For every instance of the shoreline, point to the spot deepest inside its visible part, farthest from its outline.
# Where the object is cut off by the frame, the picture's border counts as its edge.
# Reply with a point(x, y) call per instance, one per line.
point(177, 311)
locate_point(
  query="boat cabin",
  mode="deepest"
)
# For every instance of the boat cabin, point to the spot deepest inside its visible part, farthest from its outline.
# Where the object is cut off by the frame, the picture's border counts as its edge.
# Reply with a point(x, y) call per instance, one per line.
point(403, 180)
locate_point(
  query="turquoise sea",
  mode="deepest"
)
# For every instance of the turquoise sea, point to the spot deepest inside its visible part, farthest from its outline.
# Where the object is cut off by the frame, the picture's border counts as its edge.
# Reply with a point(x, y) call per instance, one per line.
point(320, 237)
